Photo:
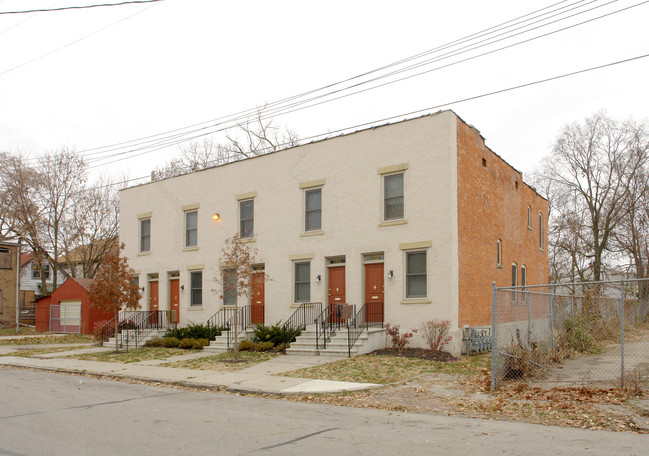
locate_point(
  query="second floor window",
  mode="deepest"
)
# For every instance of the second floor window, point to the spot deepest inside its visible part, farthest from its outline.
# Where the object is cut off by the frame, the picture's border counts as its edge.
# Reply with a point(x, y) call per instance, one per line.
point(313, 209)
point(191, 229)
point(39, 272)
point(247, 220)
point(145, 235)
point(393, 196)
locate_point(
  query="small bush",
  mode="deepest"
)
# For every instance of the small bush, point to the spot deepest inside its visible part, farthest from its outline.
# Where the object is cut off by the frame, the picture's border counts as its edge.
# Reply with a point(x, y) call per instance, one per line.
point(579, 334)
point(154, 342)
point(399, 341)
point(275, 334)
point(264, 346)
point(435, 332)
point(194, 331)
point(200, 343)
point(246, 345)
point(171, 342)
point(187, 344)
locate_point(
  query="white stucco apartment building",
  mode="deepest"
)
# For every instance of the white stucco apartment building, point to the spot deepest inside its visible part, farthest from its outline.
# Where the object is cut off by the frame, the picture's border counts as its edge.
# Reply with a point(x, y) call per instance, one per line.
point(417, 214)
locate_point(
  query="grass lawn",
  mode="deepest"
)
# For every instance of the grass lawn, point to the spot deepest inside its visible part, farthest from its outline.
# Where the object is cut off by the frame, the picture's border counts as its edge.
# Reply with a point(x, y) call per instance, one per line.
point(49, 339)
point(134, 355)
point(41, 351)
point(23, 331)
point(389, 369)
point(219, 362)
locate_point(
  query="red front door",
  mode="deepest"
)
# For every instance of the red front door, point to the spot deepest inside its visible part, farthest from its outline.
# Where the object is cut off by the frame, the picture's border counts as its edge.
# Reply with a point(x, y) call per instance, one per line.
point(153, 296)
point(336, 286)
point(374, 292)
point(257, 299)
point(174, 301)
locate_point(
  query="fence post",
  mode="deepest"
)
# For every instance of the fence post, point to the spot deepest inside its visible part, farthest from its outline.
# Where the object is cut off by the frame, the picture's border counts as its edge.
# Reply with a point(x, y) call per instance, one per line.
point(494, 344)
point(529, 322)
point(622, 336)
point(551, 304)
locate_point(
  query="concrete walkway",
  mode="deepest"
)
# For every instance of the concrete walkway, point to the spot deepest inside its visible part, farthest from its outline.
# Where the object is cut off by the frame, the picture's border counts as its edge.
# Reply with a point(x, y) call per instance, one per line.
point(259, 378)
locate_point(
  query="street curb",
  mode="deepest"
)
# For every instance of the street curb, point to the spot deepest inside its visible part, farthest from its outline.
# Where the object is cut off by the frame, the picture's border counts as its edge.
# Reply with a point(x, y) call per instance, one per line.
point(181, 383)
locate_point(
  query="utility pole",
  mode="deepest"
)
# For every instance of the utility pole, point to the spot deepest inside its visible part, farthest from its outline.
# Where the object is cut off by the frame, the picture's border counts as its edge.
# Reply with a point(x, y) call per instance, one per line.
point(18, 285)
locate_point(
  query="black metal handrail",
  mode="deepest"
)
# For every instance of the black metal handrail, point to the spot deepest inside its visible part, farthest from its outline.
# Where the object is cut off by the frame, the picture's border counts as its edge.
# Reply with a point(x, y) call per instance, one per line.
point(136, 324)
point(304, 315)
point(237, 322)
point(143, 323)
point(369, 315)
point(330, 321)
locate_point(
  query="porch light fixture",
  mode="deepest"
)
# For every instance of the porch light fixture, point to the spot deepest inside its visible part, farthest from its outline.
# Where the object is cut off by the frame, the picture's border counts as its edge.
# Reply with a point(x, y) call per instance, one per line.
point(216, 217)
point(317, 278)
point(390, 274)
point(142, 289)
point(182, 288)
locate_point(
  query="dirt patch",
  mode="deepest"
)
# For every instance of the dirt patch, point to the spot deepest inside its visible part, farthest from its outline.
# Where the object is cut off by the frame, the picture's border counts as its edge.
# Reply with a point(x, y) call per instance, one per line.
point(419, 353)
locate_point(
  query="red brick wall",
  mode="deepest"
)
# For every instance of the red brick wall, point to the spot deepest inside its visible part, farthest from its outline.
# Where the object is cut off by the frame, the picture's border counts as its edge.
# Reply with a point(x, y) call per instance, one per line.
point(492, 206)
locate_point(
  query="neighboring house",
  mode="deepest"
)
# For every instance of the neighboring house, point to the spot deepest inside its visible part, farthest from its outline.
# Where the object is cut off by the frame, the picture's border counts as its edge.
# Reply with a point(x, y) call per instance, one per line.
point(419, 215)
point(8, 286)
point(83, 261)
point(68, 309)
point(31, 278)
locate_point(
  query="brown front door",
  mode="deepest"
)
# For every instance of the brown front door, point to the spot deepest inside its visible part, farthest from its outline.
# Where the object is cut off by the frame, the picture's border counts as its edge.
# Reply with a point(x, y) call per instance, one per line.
point(257, 299)
point(336, 286)
point(174, 301)
point(374, 292)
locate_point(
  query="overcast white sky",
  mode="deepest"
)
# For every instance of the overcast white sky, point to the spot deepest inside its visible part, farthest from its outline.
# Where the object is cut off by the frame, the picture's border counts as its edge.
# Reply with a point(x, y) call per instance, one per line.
point(138, 70)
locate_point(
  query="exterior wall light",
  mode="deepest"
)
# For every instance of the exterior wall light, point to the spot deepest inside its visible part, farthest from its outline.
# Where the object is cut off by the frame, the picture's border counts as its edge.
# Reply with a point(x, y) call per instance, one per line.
point(216, 217)
point(390, 274)
point(317, 278)
point(182, 288)
point(142, 289)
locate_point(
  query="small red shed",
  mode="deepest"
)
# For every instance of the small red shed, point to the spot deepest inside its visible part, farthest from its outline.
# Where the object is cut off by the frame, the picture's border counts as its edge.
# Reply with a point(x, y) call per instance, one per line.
point(68, 310)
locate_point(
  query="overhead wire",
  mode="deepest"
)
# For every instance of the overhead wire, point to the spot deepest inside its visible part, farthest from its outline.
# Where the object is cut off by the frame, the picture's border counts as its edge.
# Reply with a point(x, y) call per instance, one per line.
point(65, 8)
point(47, 54)
point(282, 110)
point(429, 109)
point(174, 137)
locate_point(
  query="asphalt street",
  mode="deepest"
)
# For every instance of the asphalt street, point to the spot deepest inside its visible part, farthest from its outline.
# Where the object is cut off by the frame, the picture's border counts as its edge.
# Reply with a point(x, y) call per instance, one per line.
point(44, 413)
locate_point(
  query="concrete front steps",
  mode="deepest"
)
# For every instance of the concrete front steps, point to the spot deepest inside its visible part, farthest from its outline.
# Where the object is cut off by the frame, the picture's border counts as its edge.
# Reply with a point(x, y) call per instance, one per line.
point(131, 338)
point(220, 343)
point(370, 340)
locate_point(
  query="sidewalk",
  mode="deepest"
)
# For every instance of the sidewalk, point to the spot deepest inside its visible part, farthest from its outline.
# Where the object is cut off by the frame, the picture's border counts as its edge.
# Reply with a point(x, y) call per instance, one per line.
point(259, 378)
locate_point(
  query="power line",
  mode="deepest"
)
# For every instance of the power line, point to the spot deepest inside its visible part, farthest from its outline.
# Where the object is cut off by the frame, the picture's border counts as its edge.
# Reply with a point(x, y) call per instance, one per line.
point(99, 5)
point(323, 136)
point(277, 108)
point(75, 41)
point(161, 142)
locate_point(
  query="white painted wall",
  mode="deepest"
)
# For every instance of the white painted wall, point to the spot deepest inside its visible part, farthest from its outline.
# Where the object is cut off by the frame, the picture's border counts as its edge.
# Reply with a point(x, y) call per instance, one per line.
point(351, 213)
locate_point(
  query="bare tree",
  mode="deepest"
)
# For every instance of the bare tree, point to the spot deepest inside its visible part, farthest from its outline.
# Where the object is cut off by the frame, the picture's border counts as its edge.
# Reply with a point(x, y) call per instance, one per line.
point(238, 259)
point(589, 173)
point(254, 137)
point(95, 229)
point(63, 178)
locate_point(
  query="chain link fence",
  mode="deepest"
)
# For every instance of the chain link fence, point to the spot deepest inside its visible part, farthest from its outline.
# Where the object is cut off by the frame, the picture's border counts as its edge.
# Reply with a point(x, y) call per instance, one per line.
point(582, 334)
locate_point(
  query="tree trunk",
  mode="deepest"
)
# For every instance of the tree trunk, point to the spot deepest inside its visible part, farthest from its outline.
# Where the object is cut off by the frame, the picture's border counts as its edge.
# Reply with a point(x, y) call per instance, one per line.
point(116, 325)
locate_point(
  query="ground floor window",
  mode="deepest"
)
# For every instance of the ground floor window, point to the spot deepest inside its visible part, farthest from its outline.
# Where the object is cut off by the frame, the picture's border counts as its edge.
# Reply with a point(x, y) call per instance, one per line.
point(229, 286)
point(196, 285)
point(302, 281)
point(416, 276)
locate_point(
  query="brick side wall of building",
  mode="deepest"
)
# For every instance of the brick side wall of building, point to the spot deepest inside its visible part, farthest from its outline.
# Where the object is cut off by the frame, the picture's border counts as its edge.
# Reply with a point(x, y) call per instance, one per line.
point(493, 204)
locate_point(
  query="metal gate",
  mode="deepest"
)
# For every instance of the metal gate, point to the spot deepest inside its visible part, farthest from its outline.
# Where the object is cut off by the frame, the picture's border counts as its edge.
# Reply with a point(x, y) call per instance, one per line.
point(66, 317)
